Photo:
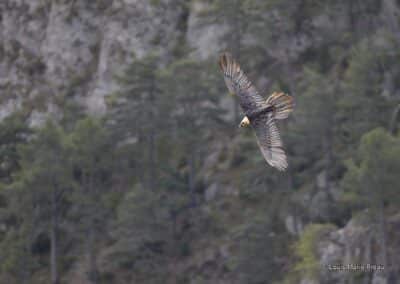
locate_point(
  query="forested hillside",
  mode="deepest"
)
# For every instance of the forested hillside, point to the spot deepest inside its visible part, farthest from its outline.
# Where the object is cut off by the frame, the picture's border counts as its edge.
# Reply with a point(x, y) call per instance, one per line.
point(121, 160)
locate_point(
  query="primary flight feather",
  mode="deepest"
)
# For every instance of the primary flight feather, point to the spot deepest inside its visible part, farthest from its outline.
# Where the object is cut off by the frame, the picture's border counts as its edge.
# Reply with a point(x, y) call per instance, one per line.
point(259, 113)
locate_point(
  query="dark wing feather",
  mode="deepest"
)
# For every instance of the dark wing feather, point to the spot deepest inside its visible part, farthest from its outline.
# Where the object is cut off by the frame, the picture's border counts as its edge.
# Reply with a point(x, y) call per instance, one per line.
point(269, 141)
point(238, 83)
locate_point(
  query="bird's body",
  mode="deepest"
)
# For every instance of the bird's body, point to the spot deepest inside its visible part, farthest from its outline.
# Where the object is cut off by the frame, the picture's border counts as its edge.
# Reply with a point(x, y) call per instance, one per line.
point(264, 110)
point(259, 113)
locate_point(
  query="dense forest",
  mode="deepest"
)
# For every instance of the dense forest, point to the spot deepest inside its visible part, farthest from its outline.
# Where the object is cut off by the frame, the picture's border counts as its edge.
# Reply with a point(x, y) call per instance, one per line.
point(138, 172)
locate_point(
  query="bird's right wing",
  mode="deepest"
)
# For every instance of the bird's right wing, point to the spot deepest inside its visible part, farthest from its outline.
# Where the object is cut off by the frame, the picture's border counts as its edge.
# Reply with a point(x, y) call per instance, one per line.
point(238, 83)
point(269, 141)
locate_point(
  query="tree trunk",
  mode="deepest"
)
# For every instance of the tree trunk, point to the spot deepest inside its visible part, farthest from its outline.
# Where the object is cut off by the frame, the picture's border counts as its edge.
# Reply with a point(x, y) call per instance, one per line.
point(25, 269)
point(351, 16)
point(93, 271)
point(192, 175)
point(151, 140)
point(151, 161)
point(289, 71)
point(382, 241)
point(236, 46)
point(393, 120)
point(367, 256)
point(390, 13)
point(295, 211)
point(53, 239)
point(91, 230)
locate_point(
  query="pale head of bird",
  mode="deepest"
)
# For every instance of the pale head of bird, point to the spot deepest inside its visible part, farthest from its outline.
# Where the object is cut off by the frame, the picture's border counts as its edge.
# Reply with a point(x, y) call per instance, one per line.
point(245, 122)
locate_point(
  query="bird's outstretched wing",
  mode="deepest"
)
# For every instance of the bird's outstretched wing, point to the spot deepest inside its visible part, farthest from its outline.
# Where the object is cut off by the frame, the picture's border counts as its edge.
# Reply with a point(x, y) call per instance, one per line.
point(269, 141)
point(238, 83)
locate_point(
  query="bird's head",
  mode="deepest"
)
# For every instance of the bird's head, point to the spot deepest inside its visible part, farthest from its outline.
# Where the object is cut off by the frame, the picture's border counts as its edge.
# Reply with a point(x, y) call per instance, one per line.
point(245, 122)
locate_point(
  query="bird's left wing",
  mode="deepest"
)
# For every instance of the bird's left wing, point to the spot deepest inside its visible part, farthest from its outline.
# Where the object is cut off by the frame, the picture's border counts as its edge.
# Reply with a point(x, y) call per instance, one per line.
point(238, 83)
point(269, 141)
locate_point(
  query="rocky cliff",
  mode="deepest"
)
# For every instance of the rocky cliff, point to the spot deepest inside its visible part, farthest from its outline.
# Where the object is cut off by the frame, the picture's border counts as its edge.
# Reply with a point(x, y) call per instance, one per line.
point(55, 51)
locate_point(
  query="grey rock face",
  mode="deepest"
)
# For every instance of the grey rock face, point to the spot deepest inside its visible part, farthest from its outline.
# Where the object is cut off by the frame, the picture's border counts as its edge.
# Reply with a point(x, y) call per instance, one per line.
point(73, 49)
point(293, 224)
point(203, 38)
point(351, 247)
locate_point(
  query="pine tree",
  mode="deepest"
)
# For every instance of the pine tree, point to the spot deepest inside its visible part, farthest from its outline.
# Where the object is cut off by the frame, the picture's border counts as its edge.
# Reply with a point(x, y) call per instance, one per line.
point(371, 181)
point(13, 131)
point(139, 115)
point(370, 85)
point(144, 235)
point(41, 187)
point(316, 124)
point(90, 147)
point(234, 16)
point(195, 112)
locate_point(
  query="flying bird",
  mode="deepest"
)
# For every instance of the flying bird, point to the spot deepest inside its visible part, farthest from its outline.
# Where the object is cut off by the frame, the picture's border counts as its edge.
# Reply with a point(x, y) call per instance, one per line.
point(259, 113)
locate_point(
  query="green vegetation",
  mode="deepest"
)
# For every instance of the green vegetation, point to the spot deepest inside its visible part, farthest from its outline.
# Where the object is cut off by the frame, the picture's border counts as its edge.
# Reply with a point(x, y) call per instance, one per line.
point(165, 189)
point(306, 249)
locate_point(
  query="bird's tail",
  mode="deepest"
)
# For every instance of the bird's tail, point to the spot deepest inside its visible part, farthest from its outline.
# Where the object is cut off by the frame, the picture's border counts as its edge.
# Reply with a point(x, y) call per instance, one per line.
point(283, 104)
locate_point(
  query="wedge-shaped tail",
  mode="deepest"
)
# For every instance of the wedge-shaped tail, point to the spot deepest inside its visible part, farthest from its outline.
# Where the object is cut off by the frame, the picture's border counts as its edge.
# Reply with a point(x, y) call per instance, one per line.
point(283, 104)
